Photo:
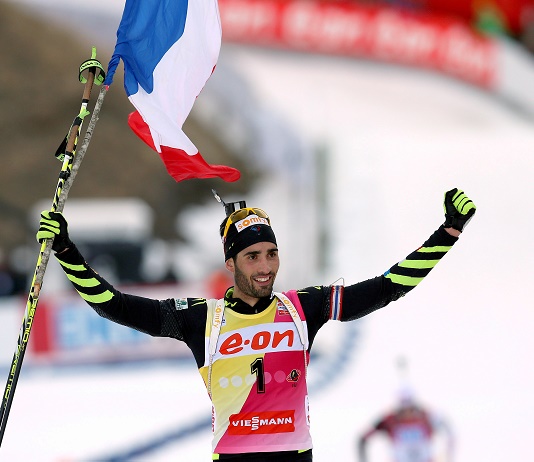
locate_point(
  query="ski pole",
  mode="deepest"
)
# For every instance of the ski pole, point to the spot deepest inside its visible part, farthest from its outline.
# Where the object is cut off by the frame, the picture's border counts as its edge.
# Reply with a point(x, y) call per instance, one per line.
point(66, 153)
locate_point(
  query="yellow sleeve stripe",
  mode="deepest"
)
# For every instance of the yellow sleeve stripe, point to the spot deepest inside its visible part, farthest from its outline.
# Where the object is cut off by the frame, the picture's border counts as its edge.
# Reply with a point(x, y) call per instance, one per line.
point(418, 264)
point(437, 248)
point(72, 267)
point(90, 282)
point(98, 298)
point(404, 280)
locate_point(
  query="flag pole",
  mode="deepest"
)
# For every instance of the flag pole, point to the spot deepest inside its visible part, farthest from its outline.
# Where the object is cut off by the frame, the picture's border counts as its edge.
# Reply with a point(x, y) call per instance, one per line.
point(71, 162)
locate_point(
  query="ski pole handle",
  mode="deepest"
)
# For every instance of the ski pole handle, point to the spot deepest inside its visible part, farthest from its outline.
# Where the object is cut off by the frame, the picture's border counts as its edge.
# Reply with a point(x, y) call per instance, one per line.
point(46, 246)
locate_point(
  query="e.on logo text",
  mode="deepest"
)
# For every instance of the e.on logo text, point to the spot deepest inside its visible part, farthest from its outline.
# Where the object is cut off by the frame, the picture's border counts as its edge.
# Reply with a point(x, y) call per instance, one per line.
point(262, 340)
point(259, 339)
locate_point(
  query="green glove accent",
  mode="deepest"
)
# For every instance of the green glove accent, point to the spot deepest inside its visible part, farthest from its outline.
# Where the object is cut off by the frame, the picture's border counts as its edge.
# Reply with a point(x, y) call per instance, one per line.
point(54, 226)
point(459, 209)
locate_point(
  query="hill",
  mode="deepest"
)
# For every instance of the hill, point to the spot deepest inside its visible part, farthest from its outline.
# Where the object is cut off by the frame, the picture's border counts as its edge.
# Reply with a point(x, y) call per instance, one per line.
point(40, 95)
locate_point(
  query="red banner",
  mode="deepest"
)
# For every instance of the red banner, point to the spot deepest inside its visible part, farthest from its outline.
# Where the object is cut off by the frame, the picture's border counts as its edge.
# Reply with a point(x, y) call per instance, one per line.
point(383, 33)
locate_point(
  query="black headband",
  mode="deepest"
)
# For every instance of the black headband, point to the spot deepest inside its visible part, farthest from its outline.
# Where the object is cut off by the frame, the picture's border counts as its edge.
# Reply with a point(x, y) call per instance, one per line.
point(236, 240)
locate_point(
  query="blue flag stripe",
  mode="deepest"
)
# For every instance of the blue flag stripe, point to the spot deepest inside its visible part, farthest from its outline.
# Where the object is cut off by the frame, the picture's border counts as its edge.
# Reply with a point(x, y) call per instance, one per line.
point(147, 30)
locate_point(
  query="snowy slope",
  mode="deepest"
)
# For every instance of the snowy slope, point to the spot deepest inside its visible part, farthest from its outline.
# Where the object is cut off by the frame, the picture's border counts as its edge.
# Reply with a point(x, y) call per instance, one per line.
point(397, 139)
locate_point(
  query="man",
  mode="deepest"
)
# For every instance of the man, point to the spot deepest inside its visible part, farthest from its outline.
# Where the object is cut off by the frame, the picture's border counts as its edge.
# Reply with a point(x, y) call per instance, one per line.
point(412, 432)
point(252, 347)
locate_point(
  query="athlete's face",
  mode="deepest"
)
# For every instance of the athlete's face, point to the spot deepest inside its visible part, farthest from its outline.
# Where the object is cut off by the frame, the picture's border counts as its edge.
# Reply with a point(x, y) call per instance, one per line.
point(254, 271)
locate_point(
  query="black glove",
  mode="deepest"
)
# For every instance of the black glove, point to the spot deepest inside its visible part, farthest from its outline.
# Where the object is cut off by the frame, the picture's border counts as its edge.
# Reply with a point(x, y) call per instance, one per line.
point(459, 209)
point(54, 226)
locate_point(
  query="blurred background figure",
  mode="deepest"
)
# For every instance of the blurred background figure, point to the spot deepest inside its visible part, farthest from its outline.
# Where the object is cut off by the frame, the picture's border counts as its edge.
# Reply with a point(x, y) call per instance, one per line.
point(219, 282)
point(413, 433)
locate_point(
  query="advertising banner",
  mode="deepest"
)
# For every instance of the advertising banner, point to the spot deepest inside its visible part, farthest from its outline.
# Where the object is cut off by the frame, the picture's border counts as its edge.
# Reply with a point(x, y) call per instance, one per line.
point(68, 332)
point(430, 41)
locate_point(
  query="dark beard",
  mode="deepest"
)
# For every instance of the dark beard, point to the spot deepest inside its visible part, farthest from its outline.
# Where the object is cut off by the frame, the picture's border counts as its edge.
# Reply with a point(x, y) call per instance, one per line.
point(245, 285)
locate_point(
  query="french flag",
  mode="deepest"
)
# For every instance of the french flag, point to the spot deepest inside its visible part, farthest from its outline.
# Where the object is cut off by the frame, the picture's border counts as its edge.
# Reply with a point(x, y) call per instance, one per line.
point(169, 49)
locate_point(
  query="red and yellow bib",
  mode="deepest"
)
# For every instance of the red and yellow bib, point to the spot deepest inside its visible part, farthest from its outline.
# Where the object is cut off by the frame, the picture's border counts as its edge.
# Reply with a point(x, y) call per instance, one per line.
point(256, 376)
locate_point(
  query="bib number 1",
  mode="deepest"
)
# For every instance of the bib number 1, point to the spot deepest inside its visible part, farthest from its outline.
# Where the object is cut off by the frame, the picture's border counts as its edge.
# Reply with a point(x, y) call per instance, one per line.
point(257, 368)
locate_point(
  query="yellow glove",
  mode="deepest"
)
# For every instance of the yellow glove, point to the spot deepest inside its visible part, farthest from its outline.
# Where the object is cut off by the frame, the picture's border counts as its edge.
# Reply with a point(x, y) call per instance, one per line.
point(54, 226)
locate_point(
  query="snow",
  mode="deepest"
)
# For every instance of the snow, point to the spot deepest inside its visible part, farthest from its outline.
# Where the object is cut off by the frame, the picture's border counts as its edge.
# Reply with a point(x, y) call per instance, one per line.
point(396, 140)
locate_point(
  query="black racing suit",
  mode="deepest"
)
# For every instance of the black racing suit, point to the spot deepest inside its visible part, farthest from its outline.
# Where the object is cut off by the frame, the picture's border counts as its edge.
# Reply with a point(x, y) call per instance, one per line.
point(185, 319)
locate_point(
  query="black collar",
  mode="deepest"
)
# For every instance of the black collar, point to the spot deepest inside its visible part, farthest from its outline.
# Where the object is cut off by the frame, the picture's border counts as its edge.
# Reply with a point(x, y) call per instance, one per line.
point(242, 307)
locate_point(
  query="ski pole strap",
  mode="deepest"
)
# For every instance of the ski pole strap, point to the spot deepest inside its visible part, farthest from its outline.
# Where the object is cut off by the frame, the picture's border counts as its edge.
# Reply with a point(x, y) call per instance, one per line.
point(92, 62)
